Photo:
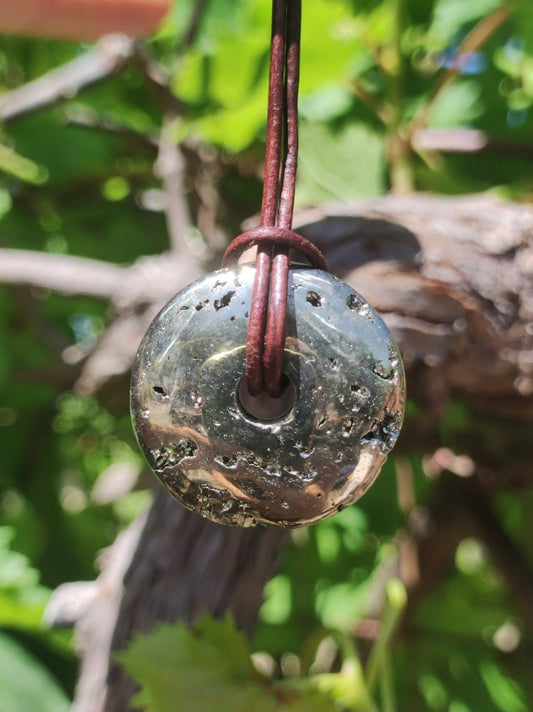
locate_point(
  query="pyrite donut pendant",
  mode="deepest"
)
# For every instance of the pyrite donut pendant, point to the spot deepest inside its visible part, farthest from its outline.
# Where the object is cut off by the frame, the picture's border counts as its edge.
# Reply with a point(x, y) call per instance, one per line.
point(343, 414)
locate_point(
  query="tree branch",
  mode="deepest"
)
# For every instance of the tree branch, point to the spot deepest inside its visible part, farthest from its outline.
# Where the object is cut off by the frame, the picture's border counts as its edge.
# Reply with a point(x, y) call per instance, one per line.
point(195, 21)
point(465, 140)
point(87, 119)
point(61, 273)
point(106, 57)
point(170, 162)
point(170, 168)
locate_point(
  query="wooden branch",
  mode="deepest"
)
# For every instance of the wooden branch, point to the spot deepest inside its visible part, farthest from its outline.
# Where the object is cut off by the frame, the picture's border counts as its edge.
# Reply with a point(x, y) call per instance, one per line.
point(60, 273)
point(170, 168)
point(146, 286)
point(136, 292)
point(466, 140)
point(106, 57)
point(452, 278)
point(88, 119)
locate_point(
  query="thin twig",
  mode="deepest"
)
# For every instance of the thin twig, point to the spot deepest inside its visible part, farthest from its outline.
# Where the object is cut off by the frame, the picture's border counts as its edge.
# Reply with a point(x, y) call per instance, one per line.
point(170, 165)
point(507, 557)
point(157, 79)
point(393, 609)
point(170, 168)
point(156, 75)
point(106, 57)
point(371, 102)
point(85, 118)
point(195, 21)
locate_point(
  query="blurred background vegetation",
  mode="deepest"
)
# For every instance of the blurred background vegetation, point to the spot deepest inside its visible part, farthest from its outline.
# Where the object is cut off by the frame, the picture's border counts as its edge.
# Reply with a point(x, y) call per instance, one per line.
point(402, 95)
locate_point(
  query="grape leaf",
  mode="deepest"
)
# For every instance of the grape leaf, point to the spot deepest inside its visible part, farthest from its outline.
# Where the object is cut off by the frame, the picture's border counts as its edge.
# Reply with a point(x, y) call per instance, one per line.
point(208, 668)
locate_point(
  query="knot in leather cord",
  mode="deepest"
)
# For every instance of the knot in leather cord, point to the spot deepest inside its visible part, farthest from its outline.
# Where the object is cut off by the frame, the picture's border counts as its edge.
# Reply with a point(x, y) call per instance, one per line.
point(265, 341)
point(275, 236)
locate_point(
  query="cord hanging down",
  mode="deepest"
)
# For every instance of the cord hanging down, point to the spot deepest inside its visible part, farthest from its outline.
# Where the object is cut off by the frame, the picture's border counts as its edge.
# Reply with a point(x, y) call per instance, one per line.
point(267, 322)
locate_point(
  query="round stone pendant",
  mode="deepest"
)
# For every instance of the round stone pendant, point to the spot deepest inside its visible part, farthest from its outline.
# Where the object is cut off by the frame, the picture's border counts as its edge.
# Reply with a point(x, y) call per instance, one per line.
point(236, 460)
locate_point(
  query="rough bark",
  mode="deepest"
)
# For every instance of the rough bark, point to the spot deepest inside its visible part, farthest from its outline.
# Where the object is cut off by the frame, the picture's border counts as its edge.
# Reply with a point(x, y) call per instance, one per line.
point(453, 279)
point(195, 567)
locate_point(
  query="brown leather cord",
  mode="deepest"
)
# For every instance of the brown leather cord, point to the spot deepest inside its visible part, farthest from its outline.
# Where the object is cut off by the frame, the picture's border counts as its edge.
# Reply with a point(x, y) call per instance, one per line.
point(256, 375)
point(277, 236)
point(279, 274)
point(266, 327)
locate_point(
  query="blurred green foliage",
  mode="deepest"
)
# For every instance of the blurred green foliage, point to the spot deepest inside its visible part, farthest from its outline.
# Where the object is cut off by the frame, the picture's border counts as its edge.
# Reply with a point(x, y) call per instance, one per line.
point(373, 73)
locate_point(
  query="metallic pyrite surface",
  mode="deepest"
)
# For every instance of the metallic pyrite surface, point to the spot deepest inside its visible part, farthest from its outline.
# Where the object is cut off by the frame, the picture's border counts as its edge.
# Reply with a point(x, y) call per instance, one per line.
point(317, 458)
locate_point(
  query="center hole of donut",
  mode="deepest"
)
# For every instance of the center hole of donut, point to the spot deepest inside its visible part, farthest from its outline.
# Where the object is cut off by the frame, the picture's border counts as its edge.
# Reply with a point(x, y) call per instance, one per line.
point(264, 407)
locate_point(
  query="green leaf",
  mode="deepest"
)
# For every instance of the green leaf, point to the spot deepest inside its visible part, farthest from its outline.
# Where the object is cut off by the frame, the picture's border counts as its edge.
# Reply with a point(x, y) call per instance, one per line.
point(22, 599)
point(433, 691)
point(458, 104)
point(347, 689)
point(6, 202)
point(276, 608)
point(205, 668)
point(343, 164)
point(523, 20)
point(326, 104)
point(25, 685)
point(224, 79)
point(339, 605)
point(464, 605)
point(68, 153)
point(209, 668)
